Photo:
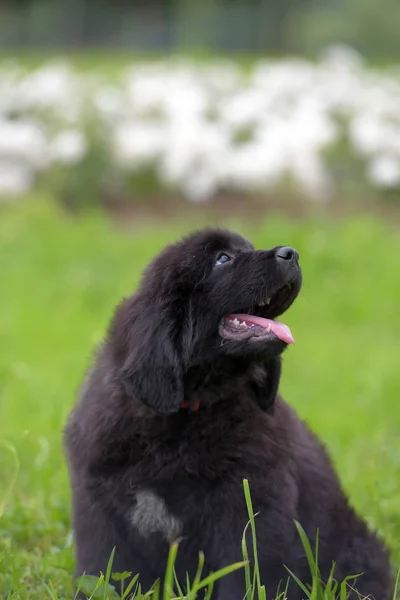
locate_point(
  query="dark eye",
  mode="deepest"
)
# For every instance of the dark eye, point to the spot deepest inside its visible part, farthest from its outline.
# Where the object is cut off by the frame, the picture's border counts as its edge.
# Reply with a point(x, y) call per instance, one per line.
point(222, 258)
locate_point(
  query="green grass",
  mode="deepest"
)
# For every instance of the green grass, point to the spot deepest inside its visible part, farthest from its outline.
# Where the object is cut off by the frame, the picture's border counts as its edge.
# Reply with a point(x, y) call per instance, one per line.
point(60, 279)
point(111, 62)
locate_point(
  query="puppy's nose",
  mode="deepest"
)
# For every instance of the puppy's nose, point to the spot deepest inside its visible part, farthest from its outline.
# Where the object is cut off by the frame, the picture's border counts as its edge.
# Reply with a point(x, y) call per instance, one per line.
point(287, 253)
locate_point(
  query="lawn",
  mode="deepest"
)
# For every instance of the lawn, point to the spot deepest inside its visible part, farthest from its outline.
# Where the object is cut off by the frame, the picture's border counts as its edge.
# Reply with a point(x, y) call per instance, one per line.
point(60, 279)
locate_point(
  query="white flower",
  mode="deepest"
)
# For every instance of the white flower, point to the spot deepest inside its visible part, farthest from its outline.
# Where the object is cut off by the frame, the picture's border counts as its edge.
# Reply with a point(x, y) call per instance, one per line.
point(243, 108)
point(15, 179)
point(68, 147)
point(372, 134)
point(342, 56)
point(23, 139)
point(204, 127)
point(109, 102)
point(192, 145)
point(137, 144)
point(200, 185)
point(312, 176)
point(256, 166)
point(222, 77)
point(384, 171)
point(54, 88)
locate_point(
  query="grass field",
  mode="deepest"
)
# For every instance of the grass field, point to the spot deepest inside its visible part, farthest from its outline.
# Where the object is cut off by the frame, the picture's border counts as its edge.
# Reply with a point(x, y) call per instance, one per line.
point(114, 61)
point(60, 279)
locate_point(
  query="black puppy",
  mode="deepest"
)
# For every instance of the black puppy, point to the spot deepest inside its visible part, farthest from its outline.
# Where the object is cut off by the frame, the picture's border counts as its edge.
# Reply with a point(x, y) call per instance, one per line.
point(181, 405)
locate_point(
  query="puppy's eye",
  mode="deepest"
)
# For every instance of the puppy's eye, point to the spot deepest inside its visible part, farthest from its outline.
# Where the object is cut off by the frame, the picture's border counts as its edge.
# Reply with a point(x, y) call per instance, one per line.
point(222, 258)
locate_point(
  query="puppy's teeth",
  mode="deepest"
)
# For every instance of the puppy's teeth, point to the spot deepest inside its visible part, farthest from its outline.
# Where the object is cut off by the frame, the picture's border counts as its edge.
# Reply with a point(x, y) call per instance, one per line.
point(267, 301)
point(235, 322)
point(268, 328)
point(243, 325)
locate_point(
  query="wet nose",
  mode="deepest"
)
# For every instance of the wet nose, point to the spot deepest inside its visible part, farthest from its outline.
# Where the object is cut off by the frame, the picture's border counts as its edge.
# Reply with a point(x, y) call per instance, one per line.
point(287, 253)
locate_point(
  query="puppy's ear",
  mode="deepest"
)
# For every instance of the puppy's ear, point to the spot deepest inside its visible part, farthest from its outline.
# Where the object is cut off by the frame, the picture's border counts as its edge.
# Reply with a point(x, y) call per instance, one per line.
point(148, 363)
point(265, 383)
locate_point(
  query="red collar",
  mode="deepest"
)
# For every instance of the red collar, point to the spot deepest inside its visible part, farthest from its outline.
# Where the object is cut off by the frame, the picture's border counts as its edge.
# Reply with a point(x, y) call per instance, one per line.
point(191, 407)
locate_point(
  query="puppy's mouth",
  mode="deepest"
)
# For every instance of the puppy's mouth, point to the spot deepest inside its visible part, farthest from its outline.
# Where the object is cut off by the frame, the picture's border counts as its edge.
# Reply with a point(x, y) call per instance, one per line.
point(258, 322)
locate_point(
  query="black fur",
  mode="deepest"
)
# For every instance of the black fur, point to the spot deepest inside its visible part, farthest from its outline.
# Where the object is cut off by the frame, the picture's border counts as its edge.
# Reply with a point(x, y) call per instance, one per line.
point(128, 434)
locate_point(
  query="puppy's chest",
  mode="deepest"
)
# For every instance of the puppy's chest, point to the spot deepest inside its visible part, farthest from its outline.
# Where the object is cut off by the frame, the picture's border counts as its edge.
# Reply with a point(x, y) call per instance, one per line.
point(184, 473)
point(152, 516)
point(204, 451)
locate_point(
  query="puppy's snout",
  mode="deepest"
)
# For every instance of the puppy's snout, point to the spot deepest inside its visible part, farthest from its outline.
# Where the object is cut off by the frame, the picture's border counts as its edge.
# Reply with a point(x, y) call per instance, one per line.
point(287, 253)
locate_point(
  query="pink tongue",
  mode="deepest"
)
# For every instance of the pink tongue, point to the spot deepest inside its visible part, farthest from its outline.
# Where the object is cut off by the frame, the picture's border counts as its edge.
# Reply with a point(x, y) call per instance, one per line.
point(279, 329)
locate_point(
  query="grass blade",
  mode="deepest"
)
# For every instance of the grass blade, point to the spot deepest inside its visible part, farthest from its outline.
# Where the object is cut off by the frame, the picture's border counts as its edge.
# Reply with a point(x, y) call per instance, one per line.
point(262, 593)
point(197, 579)
point(249, 504)
point(210, 589)
point(247, 568)
point(14, 471)
point(396, 585)
point(53, 595)
point(307, 548)
point(299, 583)
point(168, 590)
point(213, 577)
point(108, 573)
point(178, 587)
point(130, 586)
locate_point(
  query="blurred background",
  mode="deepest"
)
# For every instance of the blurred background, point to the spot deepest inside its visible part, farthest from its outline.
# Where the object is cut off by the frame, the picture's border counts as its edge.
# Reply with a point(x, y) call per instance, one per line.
point(110, 103)
point(289, 26)
point(124, 125)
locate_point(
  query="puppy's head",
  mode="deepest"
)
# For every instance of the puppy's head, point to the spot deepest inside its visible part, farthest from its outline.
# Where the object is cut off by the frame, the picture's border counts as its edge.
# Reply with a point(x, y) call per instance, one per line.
point(210, 296)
